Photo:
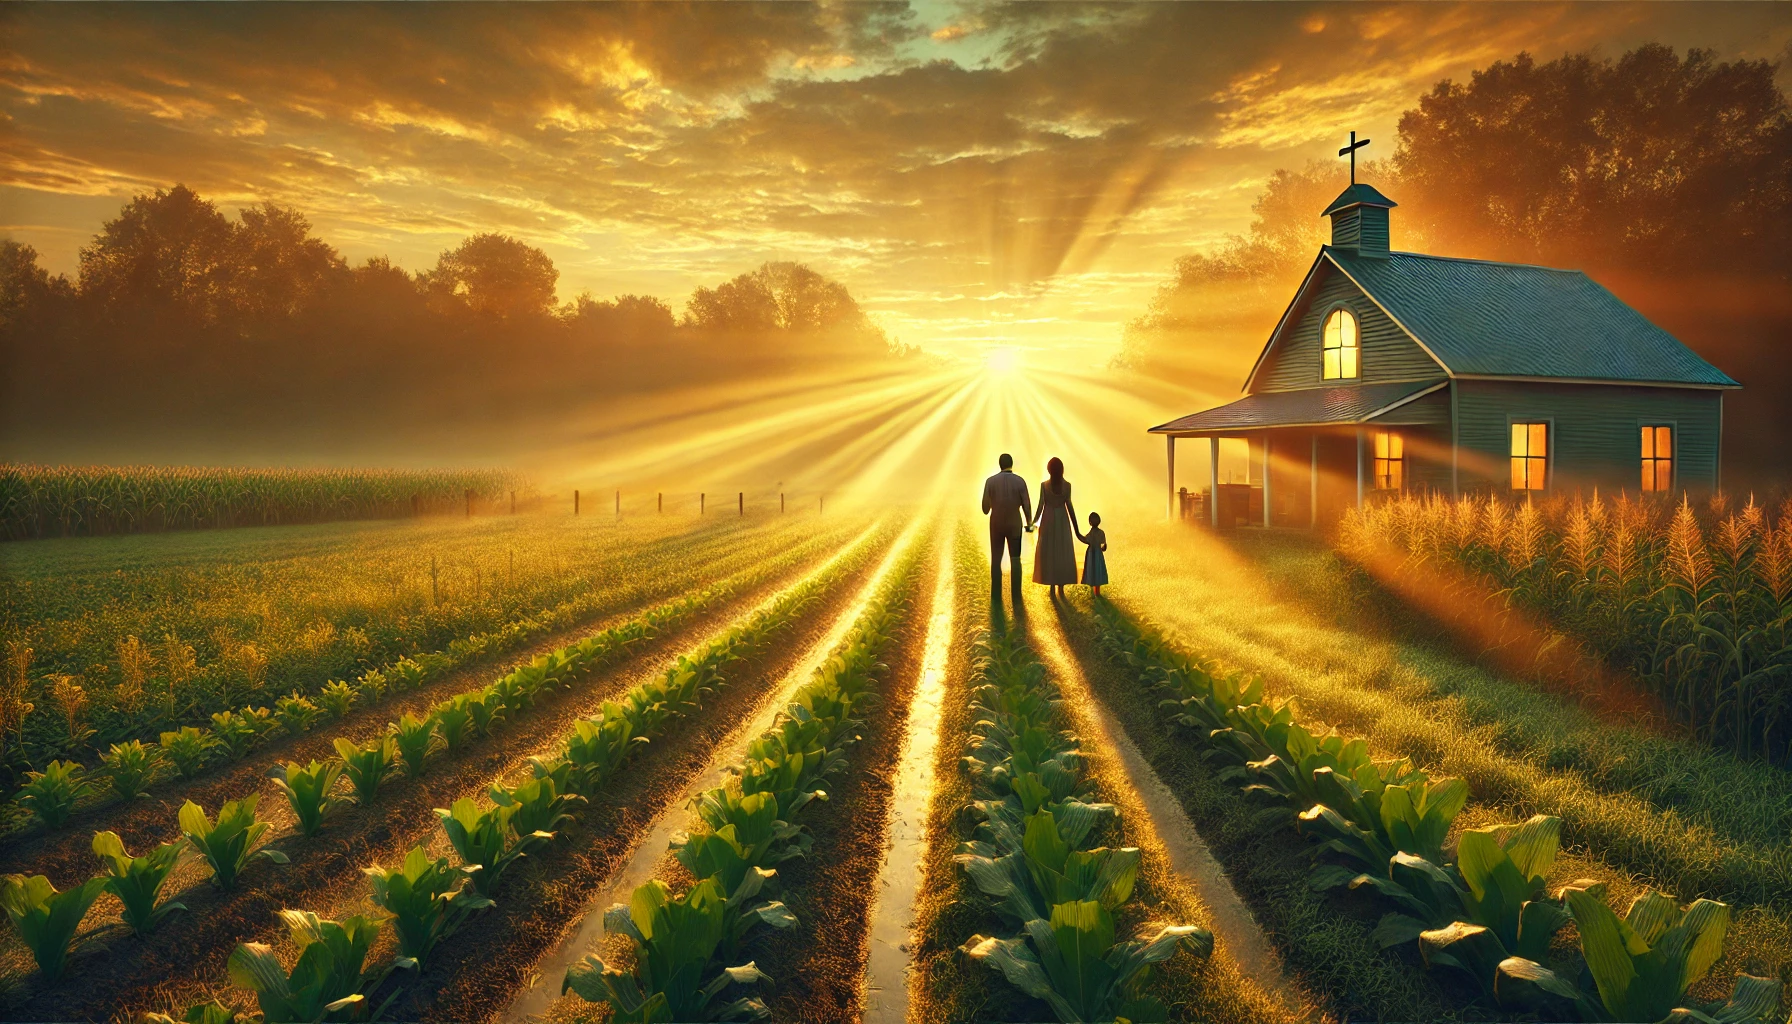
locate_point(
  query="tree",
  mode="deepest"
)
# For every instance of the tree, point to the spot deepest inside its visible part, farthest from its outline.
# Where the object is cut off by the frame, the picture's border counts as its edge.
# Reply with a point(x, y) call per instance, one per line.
point(27, 290)
point(168, 252)
point(782, 297)
point(497, 275)
point(279, 268)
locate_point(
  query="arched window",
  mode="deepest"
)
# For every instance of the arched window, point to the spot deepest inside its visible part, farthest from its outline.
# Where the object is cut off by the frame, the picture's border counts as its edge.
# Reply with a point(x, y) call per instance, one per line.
point(1342, 356)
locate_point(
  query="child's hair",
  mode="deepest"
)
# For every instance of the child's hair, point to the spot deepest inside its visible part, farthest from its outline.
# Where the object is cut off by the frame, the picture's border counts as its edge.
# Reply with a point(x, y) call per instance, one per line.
point(1095, 519)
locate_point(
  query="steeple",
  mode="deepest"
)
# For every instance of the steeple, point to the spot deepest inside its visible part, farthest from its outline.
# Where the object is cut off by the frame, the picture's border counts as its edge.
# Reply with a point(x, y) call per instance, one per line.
point(1360, 220)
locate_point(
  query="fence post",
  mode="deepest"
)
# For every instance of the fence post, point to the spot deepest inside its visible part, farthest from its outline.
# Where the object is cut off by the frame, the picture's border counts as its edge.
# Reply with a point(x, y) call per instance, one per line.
point(742, 496)
point(820, 504)
point(659, 501)
point(513, 503)
point(619, 504)
point(575, 501)
point(700, 500)
point(780, 502)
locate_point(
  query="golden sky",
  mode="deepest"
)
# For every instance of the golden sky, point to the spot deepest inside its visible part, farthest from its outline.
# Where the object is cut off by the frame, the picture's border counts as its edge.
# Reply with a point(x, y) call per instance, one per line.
point(977, 175)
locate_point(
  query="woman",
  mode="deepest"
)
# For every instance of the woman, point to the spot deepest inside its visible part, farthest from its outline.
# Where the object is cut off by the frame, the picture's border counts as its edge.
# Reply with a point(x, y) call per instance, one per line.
point(1054, 557)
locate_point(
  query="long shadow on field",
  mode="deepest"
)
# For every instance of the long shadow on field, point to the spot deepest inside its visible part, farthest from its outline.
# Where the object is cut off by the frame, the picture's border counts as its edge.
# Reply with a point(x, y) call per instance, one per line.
point(1323, 937)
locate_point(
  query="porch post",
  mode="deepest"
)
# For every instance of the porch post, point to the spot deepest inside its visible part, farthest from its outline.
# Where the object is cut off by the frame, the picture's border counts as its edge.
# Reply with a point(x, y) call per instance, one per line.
point(1213, 480)
point(1170, 454)
point(1359, 467)
point(1268, 519)
point(1313, 488)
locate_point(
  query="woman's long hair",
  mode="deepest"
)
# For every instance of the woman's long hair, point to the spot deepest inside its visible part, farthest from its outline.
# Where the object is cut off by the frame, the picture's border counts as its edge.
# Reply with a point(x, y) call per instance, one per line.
point(1056, 469)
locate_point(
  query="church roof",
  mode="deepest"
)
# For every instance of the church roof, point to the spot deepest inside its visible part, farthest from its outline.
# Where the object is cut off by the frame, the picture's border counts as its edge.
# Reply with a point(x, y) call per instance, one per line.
point(1306, 407)
point(1358, 194)
point(1483, 319)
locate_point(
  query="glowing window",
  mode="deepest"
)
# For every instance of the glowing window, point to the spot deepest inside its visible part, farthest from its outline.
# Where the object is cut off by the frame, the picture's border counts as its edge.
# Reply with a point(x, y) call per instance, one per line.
point(1342, 356)
point(1658, 458)
point(1530, 456)
point(1390, 461)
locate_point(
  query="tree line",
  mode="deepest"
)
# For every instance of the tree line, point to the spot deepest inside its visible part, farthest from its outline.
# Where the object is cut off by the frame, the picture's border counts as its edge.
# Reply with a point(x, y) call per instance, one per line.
point(1666, 177)
point(181, 318)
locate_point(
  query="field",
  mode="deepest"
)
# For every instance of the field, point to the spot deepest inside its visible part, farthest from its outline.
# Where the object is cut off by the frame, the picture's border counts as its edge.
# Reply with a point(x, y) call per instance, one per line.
point(807, 768)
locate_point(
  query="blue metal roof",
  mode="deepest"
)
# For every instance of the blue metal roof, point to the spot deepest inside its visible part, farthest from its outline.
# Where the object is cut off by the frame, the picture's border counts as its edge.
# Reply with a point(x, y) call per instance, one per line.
point(1352, 403)
point(1485, 319)
point(1358, 194)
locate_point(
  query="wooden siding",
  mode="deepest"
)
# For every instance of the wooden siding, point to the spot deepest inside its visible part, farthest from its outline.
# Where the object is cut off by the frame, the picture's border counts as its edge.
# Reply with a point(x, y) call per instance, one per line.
point(1388, 354)
point(1596, 432)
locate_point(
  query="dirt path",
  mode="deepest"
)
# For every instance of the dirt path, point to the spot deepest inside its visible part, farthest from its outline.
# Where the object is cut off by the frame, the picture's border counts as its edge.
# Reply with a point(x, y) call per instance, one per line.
point(185, 958)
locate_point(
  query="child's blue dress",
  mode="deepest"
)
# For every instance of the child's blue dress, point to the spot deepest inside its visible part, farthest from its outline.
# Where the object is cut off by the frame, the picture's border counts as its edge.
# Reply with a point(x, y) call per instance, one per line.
point(1095, 564)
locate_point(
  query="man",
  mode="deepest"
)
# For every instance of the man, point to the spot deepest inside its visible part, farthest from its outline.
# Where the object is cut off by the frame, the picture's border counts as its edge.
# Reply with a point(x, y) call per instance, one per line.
point(1010, 510)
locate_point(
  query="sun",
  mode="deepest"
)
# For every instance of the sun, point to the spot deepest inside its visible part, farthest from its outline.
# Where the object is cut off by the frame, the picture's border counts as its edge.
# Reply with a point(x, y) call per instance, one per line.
point(1002, 361)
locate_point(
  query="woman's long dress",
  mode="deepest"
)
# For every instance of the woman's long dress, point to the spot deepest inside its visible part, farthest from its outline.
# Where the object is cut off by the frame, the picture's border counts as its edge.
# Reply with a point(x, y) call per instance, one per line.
point(1054, 558)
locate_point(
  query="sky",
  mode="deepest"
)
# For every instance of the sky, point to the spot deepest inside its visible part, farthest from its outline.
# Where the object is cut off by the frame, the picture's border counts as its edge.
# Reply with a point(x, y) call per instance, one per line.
point(1015, 177)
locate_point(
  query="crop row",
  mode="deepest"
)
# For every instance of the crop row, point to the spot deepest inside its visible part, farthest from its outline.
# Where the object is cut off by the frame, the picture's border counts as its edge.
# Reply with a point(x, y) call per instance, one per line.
point(1481, 908)
point(1032, 859)
point(426, 899)
point(166, 684)
point(1704, 621)
point(63, 501)
point(130, 769)
point(683, 944)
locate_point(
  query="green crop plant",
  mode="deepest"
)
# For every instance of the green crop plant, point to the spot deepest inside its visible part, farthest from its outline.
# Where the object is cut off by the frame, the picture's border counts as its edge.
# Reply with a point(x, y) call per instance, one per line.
point(597, 746)
point(132, 768)
point(45, 919)
point(416, 740)
point(229, 843)
point(234, 733)
point(327, 979)
point(188, 748)
point(296, 714)
point(137, 881)
point(212, 1012)
point(1073, 963)
point(1640, 966)
point(336, 699)
point(426, 898)
point(485, 840)
point(539, 806)
point(368, 767)
point(51, 794)
point(724, 860)
point(452, 721)
point(310, 789)
point(675, 938)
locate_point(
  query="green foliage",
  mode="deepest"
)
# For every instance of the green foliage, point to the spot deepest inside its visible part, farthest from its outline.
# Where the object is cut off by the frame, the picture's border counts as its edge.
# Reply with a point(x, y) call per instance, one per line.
point(539, 807)
point(452, 722)
point(485, 840)
point(296, 714)
point(598, 745)
point(137, 881)
point(132, 768)
point(229, 843)
point(188, 748)
point(427, 900)
point(327, 980)
point(336, 699)
point(52, 793)
point(310, 789)
point(212, 1012)
point(45, 919)
point(368, 767)
point(1072, 962)
point(416, 739)
point(234, 733)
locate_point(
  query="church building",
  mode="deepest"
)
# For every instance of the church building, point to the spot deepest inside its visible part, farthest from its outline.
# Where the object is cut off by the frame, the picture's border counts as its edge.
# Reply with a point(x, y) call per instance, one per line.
point(1394, 371)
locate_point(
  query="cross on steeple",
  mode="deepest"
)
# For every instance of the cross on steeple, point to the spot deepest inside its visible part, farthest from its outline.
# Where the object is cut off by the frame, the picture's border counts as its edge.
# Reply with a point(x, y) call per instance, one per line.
point(1351, 149)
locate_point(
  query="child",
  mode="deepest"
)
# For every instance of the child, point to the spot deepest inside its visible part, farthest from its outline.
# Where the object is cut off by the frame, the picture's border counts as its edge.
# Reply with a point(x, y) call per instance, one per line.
point(1095, 564)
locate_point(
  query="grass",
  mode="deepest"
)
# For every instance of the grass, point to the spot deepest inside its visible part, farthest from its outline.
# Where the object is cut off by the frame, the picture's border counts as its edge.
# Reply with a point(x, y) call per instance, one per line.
point(266, 611)
point(1635, 804)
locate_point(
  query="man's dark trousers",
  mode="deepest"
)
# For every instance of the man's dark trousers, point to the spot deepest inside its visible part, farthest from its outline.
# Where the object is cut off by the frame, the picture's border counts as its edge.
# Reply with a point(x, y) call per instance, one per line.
point(998, 538)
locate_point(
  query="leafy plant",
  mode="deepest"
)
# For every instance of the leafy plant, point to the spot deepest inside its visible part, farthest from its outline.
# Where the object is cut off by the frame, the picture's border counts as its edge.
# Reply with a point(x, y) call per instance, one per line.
point(310, 791)
point(235, 733)
point(212, 1012)
point(296, 714)
point(427, 899)
point(485, 839)
point(369, 766)
point(188, 748)
point(598, 746)
point(416, 740)
point(675, 940)
point(1072, 962)
point(336, 699)
point(229, 843)
point(328, 977)
point(137, 881)
point(52, 793)
point(452, 721)
point(46, 920)
point(132, 768)
point(540, 806)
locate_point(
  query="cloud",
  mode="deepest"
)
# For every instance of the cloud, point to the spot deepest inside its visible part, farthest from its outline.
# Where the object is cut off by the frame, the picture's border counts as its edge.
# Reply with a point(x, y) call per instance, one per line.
point(1040, 161)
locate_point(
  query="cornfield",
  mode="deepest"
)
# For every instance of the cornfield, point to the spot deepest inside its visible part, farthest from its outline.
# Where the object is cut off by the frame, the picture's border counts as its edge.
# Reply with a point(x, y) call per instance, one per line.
point(1696, 603)
point(66, 501)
